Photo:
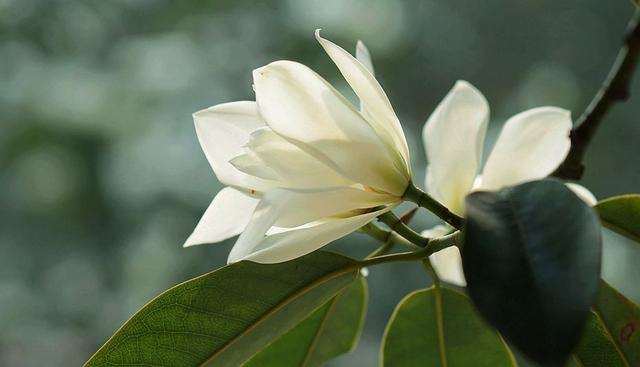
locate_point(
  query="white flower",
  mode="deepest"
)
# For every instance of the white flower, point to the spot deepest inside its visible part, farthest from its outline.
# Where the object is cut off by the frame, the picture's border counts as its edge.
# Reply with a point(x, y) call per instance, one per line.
point(302, 165)
point(530, 146)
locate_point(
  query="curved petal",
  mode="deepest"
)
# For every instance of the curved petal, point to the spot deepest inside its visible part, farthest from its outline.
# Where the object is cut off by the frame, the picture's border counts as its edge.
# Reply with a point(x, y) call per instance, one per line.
point(363, 55)
point(308, 206)
point(530, 146)
point(304, 109)
point(291, 208)
point(287, 245)
point(374, 101)
point(287, 164)
point(252, 165)
point(226, 216)
point(437, 231)
point(222, 131)
point(448, 265)
point(583, 193)
point(453, 137)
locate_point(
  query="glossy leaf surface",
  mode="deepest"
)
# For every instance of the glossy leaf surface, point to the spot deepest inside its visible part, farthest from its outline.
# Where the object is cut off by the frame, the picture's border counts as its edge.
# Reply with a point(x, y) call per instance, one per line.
point(612, 337)
point(225, 317)
point(621, 214)
point(531, 258)
point(440, 327)
point(328, 332)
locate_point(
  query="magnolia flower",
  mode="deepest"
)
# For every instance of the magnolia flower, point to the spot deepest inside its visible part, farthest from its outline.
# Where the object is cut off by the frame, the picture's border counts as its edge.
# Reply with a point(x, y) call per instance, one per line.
point(302, 166)
point(531, 145)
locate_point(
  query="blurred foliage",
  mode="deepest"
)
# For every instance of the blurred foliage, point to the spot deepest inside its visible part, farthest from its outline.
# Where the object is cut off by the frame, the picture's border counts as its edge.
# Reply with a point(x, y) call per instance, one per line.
point(102, 177)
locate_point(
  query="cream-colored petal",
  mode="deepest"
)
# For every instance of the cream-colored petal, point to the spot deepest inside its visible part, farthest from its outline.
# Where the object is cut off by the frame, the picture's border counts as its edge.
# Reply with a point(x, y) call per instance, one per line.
point(226, 216)
point(304, 109)
point(288, 245)
point(222, 131)
point(448, 265)
point(583, 193)
point(453, 137)
point(289, 165)
point(364, 56)
point(437, 231)
point(308, 206)
point(375, 103)
point(530, 146)
point(252, 165)
point(292, 208)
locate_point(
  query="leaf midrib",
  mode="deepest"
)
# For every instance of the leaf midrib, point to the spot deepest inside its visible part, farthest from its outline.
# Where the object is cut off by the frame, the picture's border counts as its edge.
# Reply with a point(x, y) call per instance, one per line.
point(286, 301)
point(623, 356)
point(320, 329)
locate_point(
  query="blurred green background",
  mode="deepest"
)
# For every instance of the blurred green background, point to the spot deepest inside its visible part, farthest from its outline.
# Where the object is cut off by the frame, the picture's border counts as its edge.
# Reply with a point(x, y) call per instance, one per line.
point(102, 177)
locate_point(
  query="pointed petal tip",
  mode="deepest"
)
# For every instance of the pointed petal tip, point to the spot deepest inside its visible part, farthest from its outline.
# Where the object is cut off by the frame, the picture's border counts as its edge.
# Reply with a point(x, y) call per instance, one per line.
point(190, 242)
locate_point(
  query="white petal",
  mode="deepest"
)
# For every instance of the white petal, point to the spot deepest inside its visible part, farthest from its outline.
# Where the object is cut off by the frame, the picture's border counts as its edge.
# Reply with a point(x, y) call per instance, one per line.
point(583, 193)
point(530, 146)
point(223, 130)
point(304, 109)
point(252, 165)
point(308, 206)
point(226, 216)
point(453, 137)
point(363, 55)
point(284, 246)
point(437, 231)
point(289, 208)
point(448, 265)
point(374, 101)
point(290, 166)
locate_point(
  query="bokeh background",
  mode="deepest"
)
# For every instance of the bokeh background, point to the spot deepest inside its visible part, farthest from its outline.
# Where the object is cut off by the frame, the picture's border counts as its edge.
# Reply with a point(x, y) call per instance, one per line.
point(102, 177)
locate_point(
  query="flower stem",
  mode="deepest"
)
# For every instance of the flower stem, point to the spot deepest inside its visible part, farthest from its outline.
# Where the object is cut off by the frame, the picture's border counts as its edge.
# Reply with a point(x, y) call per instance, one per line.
point(614, 89)
point(396, 225)
point(382, 250)
point(434, 245)
point(424, 200)
point(387, 236)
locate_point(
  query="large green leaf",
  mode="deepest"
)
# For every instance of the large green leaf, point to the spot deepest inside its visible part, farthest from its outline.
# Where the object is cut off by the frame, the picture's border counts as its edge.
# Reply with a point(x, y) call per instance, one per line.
point(225, 317)
point(531, 258)
point(621, 214)
point(331, 330)
point(440, 327)
point(612, 337)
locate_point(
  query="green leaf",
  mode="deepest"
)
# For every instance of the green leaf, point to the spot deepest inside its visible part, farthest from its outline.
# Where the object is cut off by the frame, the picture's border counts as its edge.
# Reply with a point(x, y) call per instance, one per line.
point(225, 317)
point(330, 331)
point(621, 214)
point(612, 336)
point(440, 327)
point(531, 258)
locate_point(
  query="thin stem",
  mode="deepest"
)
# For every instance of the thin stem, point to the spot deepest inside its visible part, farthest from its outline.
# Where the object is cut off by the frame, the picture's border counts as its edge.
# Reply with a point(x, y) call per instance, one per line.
point(615, 88)
point(424, 200)
point(398, 226)
point(386, 236)
point(434, 245)
point(402, 256)
point(386, 247)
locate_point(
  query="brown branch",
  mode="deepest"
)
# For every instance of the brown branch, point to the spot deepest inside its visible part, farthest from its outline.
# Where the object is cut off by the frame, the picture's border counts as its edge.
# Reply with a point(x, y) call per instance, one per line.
point(616, 88)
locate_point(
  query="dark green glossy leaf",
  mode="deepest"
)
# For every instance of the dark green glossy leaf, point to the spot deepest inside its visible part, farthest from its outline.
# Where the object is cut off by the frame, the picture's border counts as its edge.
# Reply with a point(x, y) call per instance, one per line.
point(440, 327)
point(621, 214)
point(531, 258)
point(612, 336)
point(328, 332)
point(225, 317)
